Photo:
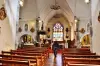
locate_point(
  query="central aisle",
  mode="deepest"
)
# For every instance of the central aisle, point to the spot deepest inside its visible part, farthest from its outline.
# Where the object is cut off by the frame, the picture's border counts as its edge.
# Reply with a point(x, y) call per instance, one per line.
point(54, 62)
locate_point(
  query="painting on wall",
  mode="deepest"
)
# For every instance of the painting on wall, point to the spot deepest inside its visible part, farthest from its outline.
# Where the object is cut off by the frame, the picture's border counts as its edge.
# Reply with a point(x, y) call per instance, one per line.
point(85, 40)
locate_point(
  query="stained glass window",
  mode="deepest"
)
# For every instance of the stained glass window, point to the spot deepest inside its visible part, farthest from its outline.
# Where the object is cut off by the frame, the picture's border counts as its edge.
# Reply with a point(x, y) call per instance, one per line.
point(58, 32)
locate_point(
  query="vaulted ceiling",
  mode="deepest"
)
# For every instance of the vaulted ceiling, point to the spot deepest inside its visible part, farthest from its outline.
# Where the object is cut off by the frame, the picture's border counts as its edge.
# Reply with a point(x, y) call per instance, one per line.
point(41, 8)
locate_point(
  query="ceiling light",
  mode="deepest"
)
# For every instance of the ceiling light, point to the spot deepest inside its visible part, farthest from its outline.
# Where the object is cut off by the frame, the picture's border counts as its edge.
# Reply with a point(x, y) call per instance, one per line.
point(21, 2)
point(87, 1)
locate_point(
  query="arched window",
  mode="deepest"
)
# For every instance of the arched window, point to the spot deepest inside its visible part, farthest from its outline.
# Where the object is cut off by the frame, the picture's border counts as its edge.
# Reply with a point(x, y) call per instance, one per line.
point(58, 32)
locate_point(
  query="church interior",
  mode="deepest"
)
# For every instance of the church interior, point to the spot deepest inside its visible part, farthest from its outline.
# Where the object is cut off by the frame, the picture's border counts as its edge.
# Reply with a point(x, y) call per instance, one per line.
point(29, 29)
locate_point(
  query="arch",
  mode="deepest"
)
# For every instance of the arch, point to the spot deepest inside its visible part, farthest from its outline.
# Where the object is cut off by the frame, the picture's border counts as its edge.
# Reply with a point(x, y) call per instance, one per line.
point(25, 38)
point(61, 12)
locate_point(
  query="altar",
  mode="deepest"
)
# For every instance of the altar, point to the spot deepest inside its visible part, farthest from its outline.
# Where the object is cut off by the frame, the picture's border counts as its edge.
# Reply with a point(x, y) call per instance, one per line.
point(28, 45)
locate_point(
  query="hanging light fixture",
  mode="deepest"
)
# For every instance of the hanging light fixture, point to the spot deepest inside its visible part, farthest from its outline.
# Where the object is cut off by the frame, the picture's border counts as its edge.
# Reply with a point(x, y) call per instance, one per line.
point(87, 1)
point(75, 17)
point(21, 3)
point(56, 6)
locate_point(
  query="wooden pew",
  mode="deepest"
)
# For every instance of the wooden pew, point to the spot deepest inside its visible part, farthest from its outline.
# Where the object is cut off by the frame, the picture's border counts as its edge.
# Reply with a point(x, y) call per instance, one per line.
point(80, 53)
point(18, 57)
point(81, 49)
point(5, 62)
point(80, 64)
point(81, 56)
point(39, 55)
point(81, 60)
point(31, 50)
point(77, 53)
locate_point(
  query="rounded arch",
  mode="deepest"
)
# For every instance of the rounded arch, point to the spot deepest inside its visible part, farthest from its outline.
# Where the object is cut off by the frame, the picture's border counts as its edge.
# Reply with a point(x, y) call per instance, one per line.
point(25, 38)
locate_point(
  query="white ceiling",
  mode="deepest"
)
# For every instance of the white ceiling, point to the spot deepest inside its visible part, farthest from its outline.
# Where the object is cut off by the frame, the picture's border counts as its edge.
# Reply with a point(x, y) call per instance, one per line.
point(41, 8)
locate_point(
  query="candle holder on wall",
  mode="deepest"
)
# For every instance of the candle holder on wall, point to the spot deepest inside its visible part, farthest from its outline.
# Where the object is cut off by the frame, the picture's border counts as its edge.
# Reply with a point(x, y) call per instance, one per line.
point(32, 29)
point(48, 30)
point(2, 13)
point(99, 17)
point(67, 30)
point(67, 36)
point(19, 29)
point(48, 33)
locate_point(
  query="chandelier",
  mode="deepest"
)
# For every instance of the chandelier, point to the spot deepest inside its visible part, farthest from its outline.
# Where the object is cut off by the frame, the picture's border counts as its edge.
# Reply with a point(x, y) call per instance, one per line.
point(55, 7)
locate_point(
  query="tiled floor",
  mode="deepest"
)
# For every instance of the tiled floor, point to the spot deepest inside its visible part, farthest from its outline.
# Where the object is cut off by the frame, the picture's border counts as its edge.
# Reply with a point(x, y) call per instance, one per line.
point(54, 61)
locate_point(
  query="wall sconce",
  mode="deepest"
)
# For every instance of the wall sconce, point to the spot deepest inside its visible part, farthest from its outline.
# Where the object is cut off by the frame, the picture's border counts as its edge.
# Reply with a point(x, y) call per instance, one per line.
point(99, 17)
point(32, 29)
point(2, 13)
point(67, 30)
point(48, 30)
point(21, 3)
point(19, 29)
point(67, 36)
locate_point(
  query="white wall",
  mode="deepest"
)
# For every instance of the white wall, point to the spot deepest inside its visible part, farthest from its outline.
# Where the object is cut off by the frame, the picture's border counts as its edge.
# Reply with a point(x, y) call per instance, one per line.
point(96, 26)
point(6, 37)
point(30, 25)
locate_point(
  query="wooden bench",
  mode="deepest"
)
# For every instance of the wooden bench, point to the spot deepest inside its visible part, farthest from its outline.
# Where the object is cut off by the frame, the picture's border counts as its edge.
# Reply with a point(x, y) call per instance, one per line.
point(40, 53)
point(81, 60)
point(80, 64)
point(5, 62)
point(33, 60)
point(40, 56)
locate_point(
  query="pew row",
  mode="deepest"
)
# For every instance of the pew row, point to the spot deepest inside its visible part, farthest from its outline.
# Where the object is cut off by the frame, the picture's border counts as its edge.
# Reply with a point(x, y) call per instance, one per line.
point(82, 60)
point(5, 62)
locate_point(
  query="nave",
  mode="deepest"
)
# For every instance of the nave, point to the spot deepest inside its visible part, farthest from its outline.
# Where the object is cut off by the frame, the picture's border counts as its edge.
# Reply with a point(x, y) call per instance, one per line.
point(36, 56)
point(54, 61)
